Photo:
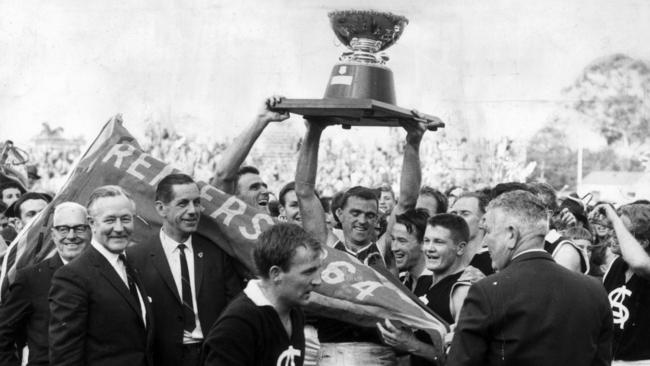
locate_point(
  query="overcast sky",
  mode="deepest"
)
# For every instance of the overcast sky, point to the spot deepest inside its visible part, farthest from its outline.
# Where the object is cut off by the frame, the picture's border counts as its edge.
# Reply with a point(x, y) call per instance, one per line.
point(205, 66)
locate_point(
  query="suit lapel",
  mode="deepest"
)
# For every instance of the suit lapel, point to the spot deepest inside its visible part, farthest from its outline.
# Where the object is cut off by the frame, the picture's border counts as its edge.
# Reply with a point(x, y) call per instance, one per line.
point(145, 298)
point(54, 262)
point(109, 273)
point(198, 264)
point(159, 261)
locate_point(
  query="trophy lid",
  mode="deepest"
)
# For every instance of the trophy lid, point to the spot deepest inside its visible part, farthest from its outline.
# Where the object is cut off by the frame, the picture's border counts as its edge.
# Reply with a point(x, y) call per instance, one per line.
point(379, 26)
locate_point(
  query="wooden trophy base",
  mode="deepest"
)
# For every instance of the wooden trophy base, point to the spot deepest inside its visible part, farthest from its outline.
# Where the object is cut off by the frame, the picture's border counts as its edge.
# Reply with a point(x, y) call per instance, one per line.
point(355, 112)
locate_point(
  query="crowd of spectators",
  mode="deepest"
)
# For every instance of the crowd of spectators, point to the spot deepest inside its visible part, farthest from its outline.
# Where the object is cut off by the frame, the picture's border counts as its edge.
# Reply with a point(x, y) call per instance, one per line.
point(446, 162)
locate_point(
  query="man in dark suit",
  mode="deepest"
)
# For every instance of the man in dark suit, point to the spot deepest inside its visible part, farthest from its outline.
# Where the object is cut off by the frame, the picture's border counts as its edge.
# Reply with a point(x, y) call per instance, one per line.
point(190, 280)
point(25, 312)
point(533, 311)
point(99, 311)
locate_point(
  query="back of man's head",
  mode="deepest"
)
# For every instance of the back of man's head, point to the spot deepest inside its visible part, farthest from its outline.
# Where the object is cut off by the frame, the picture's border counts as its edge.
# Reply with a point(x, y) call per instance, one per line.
point(523, 210)
point(456, 225)
point(547, 195)
point(165, 188)
point(502, 188)
point(277, 245)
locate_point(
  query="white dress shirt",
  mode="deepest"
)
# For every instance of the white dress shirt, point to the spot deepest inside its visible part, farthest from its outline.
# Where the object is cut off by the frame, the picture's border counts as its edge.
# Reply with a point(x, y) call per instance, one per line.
point(170, 247)
point(119, 267)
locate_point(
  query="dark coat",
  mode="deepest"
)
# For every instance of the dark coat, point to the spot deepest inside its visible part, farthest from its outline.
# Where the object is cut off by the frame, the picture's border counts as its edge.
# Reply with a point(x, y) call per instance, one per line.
point(94, 319)
point(216, 284)
point(25, 314)
point(534, 312)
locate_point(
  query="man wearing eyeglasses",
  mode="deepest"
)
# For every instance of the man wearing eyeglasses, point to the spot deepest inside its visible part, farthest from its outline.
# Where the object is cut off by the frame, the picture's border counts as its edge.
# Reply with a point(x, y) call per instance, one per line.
point(25, 312)
point(190, 279)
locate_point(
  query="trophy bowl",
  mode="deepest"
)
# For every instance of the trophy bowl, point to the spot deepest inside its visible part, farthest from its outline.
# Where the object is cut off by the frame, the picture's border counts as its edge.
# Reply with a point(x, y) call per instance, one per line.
point(382, 27)
point(361, 90)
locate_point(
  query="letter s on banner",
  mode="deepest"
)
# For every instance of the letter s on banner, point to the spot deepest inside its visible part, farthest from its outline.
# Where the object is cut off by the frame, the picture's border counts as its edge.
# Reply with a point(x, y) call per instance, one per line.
point(257, 229)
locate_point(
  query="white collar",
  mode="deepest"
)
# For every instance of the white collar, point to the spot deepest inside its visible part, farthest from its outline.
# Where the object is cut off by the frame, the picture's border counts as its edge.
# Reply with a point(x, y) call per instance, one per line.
point(254, 292)
point(170, 245)
point(111, 257)
point(354, 254)
point(529, 251)
point(552, 236)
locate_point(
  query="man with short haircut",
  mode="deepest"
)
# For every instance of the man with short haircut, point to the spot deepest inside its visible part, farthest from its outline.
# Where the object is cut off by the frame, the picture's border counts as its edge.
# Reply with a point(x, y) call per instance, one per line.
point(406, 243)
point(264, 325)
point(358, 215)
point(628, 280)
point(250, 187)
point(563, 251)
point(532, 311)
point(445, 239)
point(27, 207)
point(245, 182)
point(10, 192)
point(432, 200)
point(289, 208)
point(471, 207)
point(99, 310)
point(190, 280)
point(386, 199)
point(25, 312)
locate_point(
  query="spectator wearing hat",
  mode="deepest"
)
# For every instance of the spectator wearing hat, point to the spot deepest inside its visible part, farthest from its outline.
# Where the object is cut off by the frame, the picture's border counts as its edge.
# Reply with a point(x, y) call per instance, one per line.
point(32, 175)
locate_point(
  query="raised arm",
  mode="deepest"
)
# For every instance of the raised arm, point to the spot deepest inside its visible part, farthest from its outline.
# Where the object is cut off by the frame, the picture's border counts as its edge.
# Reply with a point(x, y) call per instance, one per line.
point(409, 183)
point(311, 210)
point(633, 253)
point(411, 176)
point(225, 175)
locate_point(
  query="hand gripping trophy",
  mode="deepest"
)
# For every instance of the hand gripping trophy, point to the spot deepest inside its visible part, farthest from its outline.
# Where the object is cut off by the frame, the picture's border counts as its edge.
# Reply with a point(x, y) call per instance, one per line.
point(361, 89)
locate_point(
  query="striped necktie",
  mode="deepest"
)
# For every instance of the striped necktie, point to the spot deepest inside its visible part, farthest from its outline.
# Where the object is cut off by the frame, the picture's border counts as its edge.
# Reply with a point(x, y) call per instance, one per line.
point(189, 323)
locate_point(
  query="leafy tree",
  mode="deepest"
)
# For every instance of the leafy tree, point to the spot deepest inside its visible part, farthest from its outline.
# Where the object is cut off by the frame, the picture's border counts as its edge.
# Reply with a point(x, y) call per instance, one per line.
point(556, 161)
point(612, 95)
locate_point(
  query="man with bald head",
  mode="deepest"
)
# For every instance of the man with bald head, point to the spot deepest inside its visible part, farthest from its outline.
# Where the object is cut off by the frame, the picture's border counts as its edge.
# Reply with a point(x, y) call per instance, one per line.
point(25, 312)
point(99, 310)
point(533, 311)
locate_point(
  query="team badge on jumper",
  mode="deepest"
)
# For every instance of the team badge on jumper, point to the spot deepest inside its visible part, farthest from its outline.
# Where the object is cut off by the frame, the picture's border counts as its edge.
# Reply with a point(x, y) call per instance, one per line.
point(620, 312)
point(288, 357)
